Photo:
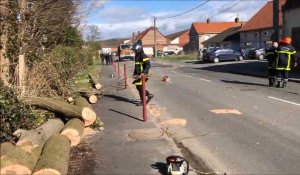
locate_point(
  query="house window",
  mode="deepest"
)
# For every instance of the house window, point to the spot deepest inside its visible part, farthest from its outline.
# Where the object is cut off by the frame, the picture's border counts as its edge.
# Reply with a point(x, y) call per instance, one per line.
point(266, 33)
point(245, 35)
point(256, 34)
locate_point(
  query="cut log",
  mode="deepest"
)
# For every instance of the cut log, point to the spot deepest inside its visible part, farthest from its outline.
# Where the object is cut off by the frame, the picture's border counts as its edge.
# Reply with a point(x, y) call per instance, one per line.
point(80, 101)
point(90, 97)
point(73, 130)
point(5, 148)
point(95, 82)
point(41, 134)
point(68, 110)
point(24, 157)
point(70, 99)
point(21, 160)
point(55, 157)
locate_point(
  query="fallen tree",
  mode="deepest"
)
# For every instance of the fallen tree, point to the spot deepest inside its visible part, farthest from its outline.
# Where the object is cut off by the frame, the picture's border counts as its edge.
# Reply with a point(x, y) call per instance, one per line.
point(73, 130)
point(71, 111)
point(95, 82)
point(92, 98)
point(55, 157)
point(22, 159)
point(5, 148)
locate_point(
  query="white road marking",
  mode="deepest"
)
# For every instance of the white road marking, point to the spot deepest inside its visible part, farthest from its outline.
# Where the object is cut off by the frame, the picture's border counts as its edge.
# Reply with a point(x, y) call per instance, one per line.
point(204, 80)
point(188, 76)
point(278, 99)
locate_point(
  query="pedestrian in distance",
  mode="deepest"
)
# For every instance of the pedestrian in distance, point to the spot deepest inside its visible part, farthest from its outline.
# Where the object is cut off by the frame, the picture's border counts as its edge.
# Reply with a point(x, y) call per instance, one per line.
point(271, 56)
point(142, 67)
point(286, 57)
point(102, 57)
point(107, 58)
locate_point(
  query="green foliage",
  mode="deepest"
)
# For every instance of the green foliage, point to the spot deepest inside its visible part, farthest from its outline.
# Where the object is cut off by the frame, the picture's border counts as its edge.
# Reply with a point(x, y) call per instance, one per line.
point(14, 114)
point(72, 38)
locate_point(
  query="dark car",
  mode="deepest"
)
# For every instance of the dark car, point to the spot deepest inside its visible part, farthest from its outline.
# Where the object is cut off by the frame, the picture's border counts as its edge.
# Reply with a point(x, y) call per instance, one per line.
point(259, 54)
point(218, 55)
point(169, 53)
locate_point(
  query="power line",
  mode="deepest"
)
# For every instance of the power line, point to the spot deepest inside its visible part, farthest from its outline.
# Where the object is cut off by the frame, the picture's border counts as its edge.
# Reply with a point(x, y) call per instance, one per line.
point(220, 11)
point(184, 12)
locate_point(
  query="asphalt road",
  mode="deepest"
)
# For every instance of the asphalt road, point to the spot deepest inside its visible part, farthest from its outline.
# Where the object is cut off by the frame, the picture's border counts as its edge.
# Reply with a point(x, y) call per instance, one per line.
point(262, 136)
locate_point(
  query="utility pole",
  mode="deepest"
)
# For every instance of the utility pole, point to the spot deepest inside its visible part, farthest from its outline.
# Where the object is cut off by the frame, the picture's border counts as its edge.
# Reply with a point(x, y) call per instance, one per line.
point(155, 51)
point(276, 19)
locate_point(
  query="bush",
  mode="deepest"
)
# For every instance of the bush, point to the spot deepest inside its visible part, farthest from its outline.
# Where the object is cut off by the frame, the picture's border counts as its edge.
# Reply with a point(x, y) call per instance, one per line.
point(14, 114)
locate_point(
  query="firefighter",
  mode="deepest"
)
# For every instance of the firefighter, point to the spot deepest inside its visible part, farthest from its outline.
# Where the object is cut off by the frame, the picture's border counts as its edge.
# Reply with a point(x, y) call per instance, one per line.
point(142, 66)
point(285, 58)
point(271, 57)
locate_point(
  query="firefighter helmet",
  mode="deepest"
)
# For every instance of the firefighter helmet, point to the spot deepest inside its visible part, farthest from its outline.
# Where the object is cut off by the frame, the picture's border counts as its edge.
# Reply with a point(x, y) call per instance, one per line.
point(137, 47)
point(286, 40)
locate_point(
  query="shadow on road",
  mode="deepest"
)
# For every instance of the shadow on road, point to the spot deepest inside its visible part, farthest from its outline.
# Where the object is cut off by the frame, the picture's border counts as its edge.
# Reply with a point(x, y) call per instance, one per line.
point(244, 83)
point(162, 167)
point(248, 68)
point(197, 62)
point(118, 98)
point(127, 115)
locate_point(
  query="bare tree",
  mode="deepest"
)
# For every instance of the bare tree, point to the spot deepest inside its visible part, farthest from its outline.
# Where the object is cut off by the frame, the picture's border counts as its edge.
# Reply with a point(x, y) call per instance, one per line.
point(93, 33)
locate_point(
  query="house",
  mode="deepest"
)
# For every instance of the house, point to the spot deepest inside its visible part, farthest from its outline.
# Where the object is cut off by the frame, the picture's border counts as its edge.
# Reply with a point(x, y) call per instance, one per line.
point(202, 31)
point(176, 41)
point(179, 38)
point(147, 38)
point(291, 22)
point(258, 31)
point(228, 39)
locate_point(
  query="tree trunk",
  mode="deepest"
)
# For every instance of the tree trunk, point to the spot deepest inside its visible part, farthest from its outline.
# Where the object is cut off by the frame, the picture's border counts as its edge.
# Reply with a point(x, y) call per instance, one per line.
point(6, 148)
point(41, 134)
point(90, 96)
point(24, 157)
point(55, 157)
point(95, 82)
point(80, 101)
point(73, 130)
point(4, 61)
point(71, 111)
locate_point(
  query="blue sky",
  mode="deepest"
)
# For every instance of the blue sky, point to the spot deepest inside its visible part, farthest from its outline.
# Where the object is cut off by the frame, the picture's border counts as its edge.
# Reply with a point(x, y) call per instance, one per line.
point(119, 18)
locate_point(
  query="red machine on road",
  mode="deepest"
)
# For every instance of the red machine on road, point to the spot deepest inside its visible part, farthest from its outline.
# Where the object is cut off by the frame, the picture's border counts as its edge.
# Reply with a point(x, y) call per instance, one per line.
point(125, 52)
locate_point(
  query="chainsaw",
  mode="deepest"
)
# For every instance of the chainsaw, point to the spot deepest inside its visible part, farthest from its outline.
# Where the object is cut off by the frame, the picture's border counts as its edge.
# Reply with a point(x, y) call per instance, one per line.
point(177, 165)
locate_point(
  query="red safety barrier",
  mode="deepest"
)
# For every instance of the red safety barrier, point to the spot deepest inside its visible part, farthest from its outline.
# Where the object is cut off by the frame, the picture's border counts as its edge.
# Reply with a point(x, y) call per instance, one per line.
point(114, 65)
point(144, 98)
point(118, 70)
point(125, 76)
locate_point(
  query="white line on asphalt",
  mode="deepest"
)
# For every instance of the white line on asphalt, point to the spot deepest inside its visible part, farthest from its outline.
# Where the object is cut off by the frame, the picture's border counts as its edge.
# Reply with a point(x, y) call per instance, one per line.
point(278, 99)
point(188, 76)
point(204, 80)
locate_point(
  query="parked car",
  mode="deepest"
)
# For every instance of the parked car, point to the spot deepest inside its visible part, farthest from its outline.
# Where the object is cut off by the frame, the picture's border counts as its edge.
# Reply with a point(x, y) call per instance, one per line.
point(169, 53)
point(259, 54)
point(218, 55)
point(203, 52)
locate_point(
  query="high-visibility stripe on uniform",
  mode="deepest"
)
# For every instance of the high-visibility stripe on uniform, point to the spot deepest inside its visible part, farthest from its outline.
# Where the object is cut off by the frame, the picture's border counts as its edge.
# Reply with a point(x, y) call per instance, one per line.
point(269, 53)
point(289, 59)
point(141, 64)
point(139, 83)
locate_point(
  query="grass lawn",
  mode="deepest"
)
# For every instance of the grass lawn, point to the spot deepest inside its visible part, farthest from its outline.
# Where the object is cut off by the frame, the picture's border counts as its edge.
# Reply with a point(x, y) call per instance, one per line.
point(178, 57)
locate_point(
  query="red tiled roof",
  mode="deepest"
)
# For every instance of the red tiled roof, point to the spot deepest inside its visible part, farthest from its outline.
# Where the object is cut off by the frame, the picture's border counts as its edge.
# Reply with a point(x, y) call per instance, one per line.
point(177, 34)
point(214, 27)
point(263, 18)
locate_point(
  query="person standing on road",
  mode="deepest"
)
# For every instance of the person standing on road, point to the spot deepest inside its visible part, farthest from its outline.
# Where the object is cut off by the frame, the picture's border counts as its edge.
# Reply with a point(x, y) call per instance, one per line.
point(271, 56)
point(285, 58)
point(142, 66)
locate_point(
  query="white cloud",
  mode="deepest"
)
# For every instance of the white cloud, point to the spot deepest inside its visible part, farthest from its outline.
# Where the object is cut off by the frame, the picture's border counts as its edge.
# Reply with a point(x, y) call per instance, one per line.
point(118, 22)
